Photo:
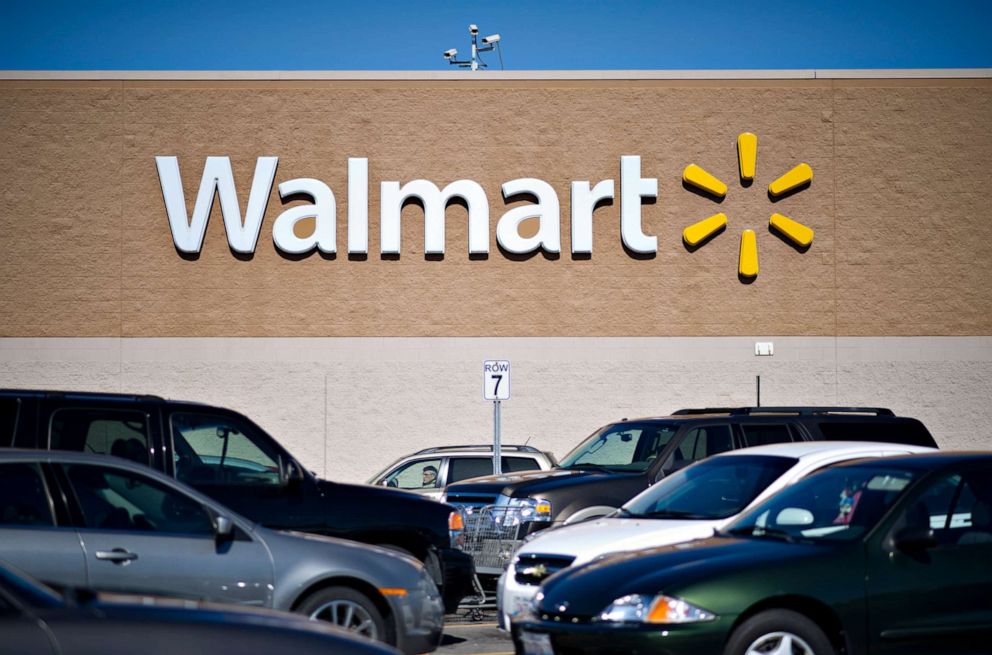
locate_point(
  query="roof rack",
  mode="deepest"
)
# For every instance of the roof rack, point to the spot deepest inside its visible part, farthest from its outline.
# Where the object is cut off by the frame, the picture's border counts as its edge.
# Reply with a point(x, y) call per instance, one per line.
point(802, 411)
point(489, 447)
point(87, 395)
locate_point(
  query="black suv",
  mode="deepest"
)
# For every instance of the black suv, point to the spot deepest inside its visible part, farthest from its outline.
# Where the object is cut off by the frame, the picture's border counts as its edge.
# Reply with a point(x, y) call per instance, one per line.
point(228, 457)
point(621, 459)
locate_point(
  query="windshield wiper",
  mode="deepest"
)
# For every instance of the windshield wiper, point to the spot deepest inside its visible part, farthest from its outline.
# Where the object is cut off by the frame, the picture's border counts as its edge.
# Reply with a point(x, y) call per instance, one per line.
point(593, 467)
point(675, 514)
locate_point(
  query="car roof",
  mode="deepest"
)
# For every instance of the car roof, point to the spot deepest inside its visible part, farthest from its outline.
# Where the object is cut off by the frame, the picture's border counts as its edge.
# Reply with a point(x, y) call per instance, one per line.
point(934, 460)
point(708, 413)
point(815, 449)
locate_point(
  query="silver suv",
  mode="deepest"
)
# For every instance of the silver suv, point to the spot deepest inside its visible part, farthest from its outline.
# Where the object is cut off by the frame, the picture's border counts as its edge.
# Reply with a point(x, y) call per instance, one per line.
point(429, 471)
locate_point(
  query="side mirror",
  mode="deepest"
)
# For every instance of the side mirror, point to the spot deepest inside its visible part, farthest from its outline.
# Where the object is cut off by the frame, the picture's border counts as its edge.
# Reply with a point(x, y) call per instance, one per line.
point(223, 528)
point(914, 539)
point(290, 474)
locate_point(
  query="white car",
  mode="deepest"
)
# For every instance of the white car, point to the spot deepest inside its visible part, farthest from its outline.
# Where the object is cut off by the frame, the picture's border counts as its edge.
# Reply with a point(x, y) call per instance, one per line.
point(686, 505)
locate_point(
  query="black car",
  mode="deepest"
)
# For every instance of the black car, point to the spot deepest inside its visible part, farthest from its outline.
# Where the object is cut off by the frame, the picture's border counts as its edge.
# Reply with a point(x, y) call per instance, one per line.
point(36, 620)
point(887, 556)
point(621, 459)
point(228, 457)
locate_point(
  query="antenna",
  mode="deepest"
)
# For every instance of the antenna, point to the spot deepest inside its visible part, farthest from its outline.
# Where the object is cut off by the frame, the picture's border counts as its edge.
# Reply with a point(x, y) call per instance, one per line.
point(489, 43)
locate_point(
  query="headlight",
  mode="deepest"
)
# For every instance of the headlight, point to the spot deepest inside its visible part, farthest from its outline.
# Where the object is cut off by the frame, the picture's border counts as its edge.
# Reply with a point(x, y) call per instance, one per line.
point(653, 609)
point(522, 510)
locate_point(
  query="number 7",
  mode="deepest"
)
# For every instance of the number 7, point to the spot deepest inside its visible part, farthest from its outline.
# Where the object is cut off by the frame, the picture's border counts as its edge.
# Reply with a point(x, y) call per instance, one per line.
point(498, 378)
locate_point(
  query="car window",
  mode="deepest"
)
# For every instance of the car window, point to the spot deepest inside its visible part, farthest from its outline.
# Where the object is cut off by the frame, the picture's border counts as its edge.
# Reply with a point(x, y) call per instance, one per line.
point(956, 508)
point(514, 464)
point(905, 431)
point(111, 499)
point(699, 443)
point(462, 468)
point(760, 435)
point(622, 447)
point(419, 474)
point(837, 504)
point(714, 489)
point(23, 496)
point(219, 449)
point(8, 420)
point(122, 433)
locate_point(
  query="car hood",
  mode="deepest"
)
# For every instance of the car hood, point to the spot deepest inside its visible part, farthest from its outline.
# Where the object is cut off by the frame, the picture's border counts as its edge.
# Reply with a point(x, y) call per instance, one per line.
point(589, 588)
point(591, 539)
point(518, 485)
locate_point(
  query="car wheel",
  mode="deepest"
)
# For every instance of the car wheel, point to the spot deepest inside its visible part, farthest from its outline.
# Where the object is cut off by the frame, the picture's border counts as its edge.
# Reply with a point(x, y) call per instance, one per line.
point(779, 632)
point(348, 609)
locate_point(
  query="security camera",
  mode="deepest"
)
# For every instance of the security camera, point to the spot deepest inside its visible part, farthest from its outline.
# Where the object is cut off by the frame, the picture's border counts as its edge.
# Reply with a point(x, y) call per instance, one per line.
point(473, 29)
point(448, 54)
point(492, 38)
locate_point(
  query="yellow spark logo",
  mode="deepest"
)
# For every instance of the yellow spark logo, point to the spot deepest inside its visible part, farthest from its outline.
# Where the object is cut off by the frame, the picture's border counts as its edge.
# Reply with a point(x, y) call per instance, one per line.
point(747, 155)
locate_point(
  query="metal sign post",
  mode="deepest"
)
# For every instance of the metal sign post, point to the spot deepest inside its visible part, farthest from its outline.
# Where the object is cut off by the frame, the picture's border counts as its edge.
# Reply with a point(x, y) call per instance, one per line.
point(496, 387)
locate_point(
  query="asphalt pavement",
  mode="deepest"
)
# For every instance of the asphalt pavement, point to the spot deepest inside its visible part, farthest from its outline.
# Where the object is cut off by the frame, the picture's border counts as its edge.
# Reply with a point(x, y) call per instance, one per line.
point(474, 634)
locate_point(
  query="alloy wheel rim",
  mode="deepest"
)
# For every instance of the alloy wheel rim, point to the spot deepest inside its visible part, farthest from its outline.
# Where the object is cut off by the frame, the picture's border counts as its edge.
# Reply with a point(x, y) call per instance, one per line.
point(348, 615)
point(779, 643)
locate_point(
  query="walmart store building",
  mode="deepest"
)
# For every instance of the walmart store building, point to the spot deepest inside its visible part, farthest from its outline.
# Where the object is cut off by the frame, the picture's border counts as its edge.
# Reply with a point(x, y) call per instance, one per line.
point(336, 254)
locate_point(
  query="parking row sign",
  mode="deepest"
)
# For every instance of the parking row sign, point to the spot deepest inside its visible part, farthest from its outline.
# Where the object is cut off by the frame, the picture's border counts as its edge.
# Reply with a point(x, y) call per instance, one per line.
point(496, 379)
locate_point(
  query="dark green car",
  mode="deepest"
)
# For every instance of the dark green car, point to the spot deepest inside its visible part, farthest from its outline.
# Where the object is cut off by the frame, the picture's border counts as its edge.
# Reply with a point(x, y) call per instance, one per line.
point(879, 556)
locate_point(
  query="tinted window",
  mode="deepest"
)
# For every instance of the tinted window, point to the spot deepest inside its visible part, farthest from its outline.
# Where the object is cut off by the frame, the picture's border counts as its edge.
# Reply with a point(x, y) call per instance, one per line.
point(513, 464)
point(760, 435)
point(462, 468)
point(120, 500)
point(8, 420)
point(699, 443)
point(121, 433)
point(214, 449)
point(716, 488)
point(23, 496)
point(958, 510)
point(905, 431)
point(420, 474)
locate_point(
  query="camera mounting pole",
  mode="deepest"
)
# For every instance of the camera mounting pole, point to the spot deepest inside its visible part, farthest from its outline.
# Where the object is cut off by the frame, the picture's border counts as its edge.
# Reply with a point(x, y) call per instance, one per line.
point(489, 43)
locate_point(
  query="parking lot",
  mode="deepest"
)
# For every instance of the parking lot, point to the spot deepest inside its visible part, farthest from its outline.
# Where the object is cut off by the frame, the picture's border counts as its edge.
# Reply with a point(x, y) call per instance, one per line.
point(465, 636)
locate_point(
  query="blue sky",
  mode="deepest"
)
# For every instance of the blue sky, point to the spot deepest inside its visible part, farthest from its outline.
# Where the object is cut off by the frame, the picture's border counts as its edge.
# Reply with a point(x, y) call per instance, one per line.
point(548, 35)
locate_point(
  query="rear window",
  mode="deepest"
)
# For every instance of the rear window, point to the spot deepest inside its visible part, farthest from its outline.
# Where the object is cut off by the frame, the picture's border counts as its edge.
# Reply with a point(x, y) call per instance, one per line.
point(910, 432)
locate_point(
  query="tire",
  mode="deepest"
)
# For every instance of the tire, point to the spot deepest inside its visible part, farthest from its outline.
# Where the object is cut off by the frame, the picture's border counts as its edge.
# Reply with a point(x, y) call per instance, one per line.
point(778, 632)
point(348, 609)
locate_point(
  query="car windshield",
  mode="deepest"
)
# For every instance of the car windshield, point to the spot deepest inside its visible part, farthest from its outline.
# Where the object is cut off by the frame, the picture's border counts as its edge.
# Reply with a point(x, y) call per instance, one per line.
point(715, 488)
point(837, 504)
point(622, 447)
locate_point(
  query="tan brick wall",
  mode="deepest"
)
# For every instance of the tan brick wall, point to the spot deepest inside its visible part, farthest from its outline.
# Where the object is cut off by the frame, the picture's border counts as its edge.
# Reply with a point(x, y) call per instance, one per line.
point(898, 202)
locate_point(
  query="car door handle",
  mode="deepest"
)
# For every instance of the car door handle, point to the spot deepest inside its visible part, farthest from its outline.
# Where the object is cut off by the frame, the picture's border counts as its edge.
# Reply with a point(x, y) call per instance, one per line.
point(117, 555)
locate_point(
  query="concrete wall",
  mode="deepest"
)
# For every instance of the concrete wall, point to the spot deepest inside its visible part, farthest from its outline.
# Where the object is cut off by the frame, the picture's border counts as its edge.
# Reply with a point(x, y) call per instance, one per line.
point(348, 407)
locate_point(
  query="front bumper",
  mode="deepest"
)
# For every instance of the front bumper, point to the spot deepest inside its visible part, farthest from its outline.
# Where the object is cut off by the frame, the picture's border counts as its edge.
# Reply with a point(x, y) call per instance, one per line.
point(606, 639)
point(512, 597)
point(458, 572)
point(419, 618)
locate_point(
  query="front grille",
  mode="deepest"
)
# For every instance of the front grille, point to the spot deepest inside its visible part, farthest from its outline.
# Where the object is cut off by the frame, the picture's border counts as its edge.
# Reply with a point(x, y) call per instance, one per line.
point(470, 502)
point(533, 568)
